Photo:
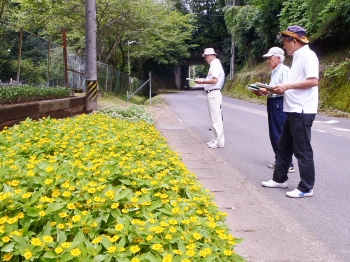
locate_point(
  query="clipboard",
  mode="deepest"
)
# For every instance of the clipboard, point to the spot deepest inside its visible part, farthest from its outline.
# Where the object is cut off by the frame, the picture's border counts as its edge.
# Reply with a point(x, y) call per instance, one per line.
point(264, 86)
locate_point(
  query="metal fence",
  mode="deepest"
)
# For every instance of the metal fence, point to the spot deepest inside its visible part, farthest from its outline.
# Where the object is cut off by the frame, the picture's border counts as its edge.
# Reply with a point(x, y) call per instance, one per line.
point(26, 58)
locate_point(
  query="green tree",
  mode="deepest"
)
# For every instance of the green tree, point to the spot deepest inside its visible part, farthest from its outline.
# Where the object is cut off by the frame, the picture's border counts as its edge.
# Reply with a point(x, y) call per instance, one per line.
point(161, 32)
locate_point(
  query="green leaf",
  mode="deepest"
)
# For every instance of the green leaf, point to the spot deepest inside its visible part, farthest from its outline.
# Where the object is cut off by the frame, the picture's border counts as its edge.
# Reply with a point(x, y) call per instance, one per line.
point(106, 242)
point(54, 207)
point(8, 247)
point(66, 257)
point(32, 211)
point(99, 258)
point(49, 254)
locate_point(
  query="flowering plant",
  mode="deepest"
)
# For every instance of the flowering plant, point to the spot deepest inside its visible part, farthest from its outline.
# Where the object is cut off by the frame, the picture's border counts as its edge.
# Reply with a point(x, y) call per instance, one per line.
point(97, 188)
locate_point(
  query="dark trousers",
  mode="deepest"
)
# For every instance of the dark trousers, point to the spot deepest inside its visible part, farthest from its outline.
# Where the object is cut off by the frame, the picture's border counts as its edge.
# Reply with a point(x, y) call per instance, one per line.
point(296, 138)
point(276, 118)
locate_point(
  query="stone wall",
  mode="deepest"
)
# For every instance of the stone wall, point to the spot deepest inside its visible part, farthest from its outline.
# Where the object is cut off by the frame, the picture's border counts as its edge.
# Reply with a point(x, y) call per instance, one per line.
point(57, 108)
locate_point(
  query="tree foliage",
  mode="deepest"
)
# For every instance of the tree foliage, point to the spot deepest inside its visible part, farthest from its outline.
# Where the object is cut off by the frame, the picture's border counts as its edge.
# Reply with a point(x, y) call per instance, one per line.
point(160, 31)
point(256, 23)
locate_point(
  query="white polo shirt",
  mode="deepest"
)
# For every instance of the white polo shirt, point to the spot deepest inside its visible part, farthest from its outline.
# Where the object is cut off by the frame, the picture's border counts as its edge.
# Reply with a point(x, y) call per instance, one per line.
point(305, 65)
point(216, 71)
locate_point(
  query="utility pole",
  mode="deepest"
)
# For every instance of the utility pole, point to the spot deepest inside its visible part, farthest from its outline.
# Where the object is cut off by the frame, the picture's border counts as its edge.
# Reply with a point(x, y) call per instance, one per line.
point(232, 58)
point(90, 55)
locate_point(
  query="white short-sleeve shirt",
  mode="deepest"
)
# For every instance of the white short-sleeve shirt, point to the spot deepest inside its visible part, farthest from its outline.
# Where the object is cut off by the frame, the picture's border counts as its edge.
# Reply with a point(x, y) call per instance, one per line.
point(216, 71)
point(305, 65)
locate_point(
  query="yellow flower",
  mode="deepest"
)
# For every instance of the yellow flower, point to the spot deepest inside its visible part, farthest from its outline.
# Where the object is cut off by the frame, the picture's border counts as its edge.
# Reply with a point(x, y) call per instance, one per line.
point(16, 233)
point(175, 210)
point(28, 254)
point(7, 256)
point(190, 253)
point(134, 199)
point(205, 252)
point(75, 252)
point(67, 194)
point(6, 239)
point(60, 226)
point(76, 218)
point(197, 236)
point(149, 237)
point(97, 240)
point(42, 213)
point(63, 214)
point(119, 227)
point(35, 241)
point(178, 252)
point(115, 205)
point(158, 247)
point(13, 183)
point(228, 252)
point(49, 169)
point(12, 220)
point(48, 239)
point(168, 236)
point(66, 244)
point(135, 259)
point(58, 250)
point(135, 249)
point(70, 206)
point(48, 181)
point(110, 194)
point(168, 258)
point(26, 195)
point(94, 224)
point(112, 249)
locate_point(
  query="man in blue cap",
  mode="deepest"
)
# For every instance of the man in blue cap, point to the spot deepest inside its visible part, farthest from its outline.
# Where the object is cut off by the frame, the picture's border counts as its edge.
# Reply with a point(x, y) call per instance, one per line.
point(300, 104)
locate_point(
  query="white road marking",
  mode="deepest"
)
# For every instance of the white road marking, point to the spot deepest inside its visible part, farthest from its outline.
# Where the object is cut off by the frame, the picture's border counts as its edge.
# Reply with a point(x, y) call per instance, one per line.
point(322, 131)
point(341, 129)
point(328, 122)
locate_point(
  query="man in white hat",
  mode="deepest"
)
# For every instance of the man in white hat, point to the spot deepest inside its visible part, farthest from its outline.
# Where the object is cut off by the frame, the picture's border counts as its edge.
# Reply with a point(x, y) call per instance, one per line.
point(212, 86)
point(275, 115)
point(300, 103)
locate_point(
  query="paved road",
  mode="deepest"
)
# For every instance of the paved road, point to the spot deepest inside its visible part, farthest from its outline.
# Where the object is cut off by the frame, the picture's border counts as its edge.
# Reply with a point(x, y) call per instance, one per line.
point(326, 215)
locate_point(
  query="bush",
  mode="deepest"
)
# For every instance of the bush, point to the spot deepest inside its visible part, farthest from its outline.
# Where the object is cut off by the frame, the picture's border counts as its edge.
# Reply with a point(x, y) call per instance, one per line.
point(25, 93)
point(96, 188)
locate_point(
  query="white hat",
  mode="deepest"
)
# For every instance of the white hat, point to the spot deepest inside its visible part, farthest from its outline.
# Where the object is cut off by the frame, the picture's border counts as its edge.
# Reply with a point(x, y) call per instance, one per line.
point(209, 51)
point(274, 51)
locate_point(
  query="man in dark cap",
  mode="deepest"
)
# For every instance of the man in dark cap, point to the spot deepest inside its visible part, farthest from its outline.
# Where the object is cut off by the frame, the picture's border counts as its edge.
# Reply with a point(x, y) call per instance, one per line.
point(300, 104)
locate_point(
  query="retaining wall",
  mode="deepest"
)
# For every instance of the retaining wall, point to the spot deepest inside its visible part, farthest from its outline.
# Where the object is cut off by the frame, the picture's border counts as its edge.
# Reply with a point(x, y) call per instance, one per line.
point(57, 108)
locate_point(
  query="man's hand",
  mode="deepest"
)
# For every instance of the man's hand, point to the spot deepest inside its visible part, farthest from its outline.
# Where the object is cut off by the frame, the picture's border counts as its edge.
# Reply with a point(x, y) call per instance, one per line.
point(263, 91)
point(199, 81)
point(280, 89)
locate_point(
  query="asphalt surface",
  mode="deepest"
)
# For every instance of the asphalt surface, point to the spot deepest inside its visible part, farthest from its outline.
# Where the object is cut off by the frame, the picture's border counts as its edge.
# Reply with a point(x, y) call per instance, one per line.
point(269, 233)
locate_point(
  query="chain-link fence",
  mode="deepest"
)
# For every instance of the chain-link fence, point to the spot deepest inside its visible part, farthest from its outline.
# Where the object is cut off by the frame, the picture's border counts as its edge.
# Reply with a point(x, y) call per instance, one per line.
point(26, 58)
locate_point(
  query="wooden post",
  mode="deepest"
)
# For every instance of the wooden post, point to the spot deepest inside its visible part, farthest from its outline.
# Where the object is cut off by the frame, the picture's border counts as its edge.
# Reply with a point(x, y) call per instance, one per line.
point(65, 58)
point(19, 55)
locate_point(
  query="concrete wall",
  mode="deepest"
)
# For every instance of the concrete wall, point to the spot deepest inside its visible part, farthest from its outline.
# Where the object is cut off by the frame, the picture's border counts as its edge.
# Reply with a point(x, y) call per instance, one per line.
point(57, 108)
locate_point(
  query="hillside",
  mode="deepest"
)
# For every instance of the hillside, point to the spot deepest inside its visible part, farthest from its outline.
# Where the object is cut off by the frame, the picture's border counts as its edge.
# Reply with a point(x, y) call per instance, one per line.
point(334, 89)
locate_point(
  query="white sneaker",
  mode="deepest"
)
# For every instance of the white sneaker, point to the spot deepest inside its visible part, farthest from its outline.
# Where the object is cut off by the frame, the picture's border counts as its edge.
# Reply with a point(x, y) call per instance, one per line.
point(215, 145)
point(297, 193)
point(211, 141)
point(291, 169)
point(272, 165)
point(274, 184)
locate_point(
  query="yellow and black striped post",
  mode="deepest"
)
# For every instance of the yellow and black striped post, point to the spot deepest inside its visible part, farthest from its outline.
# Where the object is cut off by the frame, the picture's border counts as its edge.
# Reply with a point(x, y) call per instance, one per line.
point(91, 90)
point(91, 95)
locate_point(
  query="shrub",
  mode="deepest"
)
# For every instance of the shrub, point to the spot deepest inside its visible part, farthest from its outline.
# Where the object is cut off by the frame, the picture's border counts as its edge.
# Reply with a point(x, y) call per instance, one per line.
point(96, 188)
point(25, 93)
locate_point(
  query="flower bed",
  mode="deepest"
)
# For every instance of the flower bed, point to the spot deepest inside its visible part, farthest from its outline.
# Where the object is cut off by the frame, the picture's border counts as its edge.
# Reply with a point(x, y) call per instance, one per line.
point(97, 188)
